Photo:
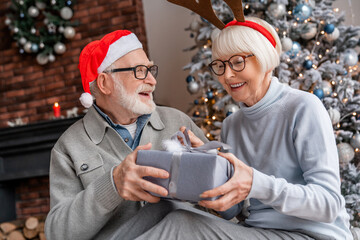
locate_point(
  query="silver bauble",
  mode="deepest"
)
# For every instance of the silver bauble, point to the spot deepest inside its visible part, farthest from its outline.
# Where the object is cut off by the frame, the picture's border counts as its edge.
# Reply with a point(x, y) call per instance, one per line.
point(334, 35)
point(327, 88)
point(7, 21)
point(22, 40)
point(33, 30)
point(40, 5)
point(231, 108)
point(61, 29)
point(310, 33)
point(350, 57)
point(69, 32)
point(51, 58)
point(41, 45)
point(27, 47)
point(334, 115)
point(286, 43)
point(33, 11)
point(277, 10)
point(59, 48)
point(66, 13)
point(16, 30)
point(346, 153)
point(355, 141)
point(193, 87)
point(42, 59)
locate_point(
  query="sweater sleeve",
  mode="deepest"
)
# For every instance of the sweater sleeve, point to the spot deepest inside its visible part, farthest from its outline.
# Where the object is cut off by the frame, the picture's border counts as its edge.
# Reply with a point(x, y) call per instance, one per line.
point(319, 199)
point(77, 213)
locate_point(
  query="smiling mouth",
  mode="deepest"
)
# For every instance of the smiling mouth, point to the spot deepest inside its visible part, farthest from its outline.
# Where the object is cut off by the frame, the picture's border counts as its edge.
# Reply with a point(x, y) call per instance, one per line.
point(145, 94)
point(236, 85)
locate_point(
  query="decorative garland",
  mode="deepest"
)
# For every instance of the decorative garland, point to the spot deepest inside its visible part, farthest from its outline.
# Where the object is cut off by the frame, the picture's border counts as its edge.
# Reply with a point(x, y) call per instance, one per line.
point(41, 26)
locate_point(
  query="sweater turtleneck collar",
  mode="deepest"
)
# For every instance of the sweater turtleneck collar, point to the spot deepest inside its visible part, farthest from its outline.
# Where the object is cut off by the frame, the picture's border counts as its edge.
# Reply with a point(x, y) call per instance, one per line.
point(264, 105)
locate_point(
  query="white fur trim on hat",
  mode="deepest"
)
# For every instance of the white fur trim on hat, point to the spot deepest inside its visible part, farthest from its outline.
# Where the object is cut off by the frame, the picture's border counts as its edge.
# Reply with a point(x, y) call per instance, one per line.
point(86, 99)
point(118, 49)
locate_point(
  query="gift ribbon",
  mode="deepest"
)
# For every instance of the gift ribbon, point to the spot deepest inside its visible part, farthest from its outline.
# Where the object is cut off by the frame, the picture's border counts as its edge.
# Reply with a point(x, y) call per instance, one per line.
point(210, 147)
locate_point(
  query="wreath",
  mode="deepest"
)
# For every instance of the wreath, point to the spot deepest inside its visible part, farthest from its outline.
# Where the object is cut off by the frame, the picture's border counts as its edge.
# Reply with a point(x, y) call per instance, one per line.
point(40, 27)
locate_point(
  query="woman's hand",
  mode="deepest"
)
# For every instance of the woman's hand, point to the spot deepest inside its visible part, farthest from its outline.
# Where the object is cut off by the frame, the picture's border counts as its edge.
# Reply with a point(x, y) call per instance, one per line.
point(233, 191)
point(195, 141)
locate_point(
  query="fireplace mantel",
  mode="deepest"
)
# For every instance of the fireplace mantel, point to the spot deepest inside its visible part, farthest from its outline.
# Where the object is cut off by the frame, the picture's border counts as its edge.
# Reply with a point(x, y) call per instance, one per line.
point(25, 150)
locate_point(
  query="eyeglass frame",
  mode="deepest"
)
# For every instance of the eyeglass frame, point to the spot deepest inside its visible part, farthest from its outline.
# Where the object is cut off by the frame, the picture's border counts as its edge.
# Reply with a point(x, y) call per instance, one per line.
point(134, 70)
point(230, 64)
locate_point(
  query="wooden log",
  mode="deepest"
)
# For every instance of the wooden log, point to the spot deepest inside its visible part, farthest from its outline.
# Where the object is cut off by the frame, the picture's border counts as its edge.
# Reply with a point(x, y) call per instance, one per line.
point(30, 233)
point(31, 223)
point(41, 227)
point(42, 236)
point(15, 235)
point(8, 227)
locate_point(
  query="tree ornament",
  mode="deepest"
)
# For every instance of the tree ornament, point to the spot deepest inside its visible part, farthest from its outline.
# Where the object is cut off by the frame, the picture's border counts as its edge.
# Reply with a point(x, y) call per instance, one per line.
point(230, 108)
point(42, 59)
point(295, 49)
point(329, 28)
point(346, 153)
point(59, 48)
point(334, 35)
point(33, 11)
point(69, 32)
point(310, 31)
point(334, 115)
point(355, 140)
point(66, 13)
point(327, 88)
point(34, 26)
point(190, 78)
point(286, 43)
point(209, 94)
point(350, 57)
point(277, 10)
point(302, 12)
point(27, 47)
point(193, 87)
point(319, 93)
point(308, 64)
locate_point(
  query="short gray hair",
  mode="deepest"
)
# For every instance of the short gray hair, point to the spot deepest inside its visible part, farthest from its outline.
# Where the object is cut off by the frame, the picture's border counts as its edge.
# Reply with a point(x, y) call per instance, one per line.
point(241, 39)
point(93, 85)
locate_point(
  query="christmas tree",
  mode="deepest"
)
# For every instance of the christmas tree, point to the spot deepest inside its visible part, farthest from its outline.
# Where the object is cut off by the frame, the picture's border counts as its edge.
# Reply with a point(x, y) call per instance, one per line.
point(318, 56)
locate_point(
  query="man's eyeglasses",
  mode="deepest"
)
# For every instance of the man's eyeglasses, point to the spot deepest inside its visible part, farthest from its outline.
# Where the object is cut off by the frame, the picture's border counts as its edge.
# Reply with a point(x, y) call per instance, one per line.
point(140, 71)
point(236, 63)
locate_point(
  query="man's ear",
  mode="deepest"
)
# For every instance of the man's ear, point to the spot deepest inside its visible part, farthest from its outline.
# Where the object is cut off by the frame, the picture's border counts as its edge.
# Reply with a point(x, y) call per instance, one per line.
point(105, 83)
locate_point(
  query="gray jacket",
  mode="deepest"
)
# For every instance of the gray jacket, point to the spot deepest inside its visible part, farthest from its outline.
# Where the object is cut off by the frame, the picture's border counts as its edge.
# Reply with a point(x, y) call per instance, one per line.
point(83, 199)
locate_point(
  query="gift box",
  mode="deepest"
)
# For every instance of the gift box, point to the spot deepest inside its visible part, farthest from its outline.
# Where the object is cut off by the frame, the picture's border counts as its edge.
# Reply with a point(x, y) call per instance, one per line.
point(192, 171)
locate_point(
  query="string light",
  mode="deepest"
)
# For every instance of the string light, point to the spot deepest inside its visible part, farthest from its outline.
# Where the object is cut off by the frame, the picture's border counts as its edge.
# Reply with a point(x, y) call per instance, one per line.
point(333, 82)
point(247, 6)
point(336, 10)
point(345, 100)
point(318, 43)
point(208, 135)
point(322, 32)
point(301, 75)
point(338, 125)
point(320, 56)
point(356, 150)
point(213, 117)
point(206, 100)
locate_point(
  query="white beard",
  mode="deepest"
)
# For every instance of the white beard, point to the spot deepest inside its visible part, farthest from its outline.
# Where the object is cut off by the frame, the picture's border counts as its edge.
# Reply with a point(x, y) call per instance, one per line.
point(132, 102)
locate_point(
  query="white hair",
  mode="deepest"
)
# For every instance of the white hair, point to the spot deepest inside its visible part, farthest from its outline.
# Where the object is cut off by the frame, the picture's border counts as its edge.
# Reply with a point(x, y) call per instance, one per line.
point(241, 39)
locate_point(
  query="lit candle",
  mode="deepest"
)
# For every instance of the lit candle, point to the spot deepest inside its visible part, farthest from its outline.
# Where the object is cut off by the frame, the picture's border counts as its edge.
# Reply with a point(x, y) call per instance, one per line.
point(56, 109)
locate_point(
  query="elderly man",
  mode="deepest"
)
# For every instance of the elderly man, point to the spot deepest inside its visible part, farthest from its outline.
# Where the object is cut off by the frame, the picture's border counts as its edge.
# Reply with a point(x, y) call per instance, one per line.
point(95, 184)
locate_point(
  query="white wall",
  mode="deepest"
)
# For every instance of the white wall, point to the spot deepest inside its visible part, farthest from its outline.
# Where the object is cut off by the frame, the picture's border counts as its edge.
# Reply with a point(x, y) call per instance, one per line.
point(165, 24)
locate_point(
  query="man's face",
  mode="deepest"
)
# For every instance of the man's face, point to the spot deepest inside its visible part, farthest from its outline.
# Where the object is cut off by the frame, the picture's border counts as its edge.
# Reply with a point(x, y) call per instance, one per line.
point(133, 94)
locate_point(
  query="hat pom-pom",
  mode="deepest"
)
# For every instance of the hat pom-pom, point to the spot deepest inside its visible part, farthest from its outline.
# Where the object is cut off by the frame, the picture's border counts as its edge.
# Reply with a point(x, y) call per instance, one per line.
point(86, 99)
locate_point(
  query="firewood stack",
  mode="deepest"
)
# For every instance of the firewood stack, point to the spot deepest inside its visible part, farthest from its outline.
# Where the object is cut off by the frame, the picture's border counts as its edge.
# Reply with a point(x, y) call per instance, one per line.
point(30, 228)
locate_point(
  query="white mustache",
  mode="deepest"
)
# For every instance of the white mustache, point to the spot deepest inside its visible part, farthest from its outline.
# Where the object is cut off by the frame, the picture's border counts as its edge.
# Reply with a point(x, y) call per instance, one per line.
point(145, 88)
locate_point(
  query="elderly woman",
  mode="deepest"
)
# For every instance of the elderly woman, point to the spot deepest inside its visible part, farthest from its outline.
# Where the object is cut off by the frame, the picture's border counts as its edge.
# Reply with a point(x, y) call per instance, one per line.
point(284, 151)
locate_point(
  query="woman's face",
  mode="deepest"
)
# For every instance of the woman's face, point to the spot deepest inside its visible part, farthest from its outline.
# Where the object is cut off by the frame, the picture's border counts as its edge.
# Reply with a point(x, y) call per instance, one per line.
point(248, 86)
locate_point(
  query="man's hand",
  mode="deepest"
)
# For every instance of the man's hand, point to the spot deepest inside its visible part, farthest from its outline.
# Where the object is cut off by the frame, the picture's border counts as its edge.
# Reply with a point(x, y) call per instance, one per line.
point(195, 141)
point(128, 178)
point(233, 191)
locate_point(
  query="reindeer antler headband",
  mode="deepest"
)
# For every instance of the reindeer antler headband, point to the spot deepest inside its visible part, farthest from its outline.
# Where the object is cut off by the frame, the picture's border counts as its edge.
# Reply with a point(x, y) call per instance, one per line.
point(205, 10)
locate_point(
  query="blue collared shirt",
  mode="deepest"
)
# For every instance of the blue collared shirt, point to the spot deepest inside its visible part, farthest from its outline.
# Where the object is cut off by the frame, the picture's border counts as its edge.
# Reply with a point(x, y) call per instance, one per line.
point(124, 133)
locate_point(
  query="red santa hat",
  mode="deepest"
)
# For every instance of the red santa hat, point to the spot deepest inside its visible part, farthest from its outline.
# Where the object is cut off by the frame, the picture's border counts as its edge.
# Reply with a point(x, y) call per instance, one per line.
point(100, 54)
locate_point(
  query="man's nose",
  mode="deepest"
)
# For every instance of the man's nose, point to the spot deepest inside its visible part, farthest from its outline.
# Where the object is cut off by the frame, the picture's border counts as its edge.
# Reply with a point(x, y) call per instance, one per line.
point(150, 79)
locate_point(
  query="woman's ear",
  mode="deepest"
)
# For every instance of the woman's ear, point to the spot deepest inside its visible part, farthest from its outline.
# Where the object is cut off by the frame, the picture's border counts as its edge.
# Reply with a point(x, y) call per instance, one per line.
point(105, 83)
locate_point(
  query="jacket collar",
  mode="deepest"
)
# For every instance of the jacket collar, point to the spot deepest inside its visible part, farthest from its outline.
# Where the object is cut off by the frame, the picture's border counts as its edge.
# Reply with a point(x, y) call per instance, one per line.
point(95, 125)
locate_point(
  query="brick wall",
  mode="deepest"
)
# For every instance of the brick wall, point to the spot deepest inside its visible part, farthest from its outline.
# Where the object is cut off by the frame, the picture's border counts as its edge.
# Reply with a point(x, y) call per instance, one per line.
point(28, 90)
point(32, 197)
